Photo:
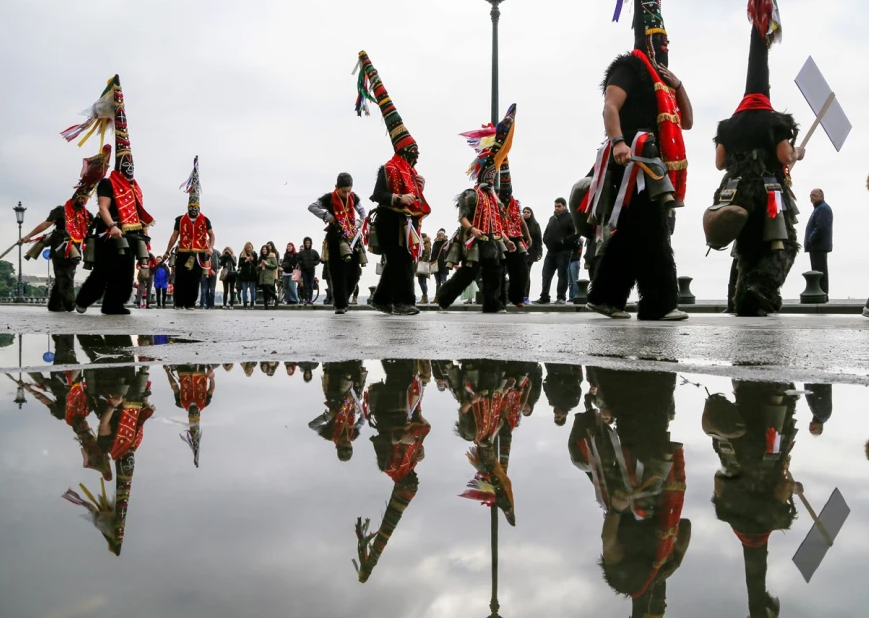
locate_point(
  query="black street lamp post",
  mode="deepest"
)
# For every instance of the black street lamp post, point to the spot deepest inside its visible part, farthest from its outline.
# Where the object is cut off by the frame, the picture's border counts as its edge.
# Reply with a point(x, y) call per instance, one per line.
point(496, 15)
point(19, 217)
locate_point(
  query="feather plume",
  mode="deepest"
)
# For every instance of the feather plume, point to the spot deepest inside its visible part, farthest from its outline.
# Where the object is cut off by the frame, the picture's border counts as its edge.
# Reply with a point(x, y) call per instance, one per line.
point(764, 14)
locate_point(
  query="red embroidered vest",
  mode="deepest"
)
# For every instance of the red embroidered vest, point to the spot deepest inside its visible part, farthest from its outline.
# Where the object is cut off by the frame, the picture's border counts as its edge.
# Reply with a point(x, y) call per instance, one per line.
point(192, 234)
point(193, 390)
point(513, 225)
point(487, 216)
point(77, 222)
point(401, 180)
point(128, 200)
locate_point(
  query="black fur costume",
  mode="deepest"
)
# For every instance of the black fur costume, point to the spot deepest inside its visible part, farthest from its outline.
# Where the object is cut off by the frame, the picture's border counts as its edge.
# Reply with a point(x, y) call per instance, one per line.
point(640, 253)
point(750, 139)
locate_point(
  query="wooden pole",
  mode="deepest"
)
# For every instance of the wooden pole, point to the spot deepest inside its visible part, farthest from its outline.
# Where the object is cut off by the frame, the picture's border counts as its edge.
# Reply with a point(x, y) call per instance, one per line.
point(817, 122)
point(812, 513)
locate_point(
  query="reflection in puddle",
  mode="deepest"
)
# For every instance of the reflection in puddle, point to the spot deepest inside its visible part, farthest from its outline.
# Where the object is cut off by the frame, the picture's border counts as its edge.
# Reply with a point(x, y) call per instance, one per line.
point(40, 350)
point(713, 486)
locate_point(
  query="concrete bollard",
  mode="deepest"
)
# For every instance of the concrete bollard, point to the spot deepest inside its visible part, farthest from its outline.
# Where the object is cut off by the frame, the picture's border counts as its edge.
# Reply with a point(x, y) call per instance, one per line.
point(813, 293)
point(581, 297)
point(685, 295)
point(371, 294)
point(479, 299)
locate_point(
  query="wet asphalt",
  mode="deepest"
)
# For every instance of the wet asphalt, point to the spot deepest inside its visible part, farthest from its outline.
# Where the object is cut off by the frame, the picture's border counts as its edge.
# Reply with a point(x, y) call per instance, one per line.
point(831, 348)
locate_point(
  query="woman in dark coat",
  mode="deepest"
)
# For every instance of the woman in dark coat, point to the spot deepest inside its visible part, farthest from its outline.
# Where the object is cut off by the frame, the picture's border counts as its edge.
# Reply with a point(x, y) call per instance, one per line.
point(535, 251)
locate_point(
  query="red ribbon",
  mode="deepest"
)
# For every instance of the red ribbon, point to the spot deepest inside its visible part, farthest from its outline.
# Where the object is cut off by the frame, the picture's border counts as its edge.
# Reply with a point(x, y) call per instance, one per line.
point(754, 102)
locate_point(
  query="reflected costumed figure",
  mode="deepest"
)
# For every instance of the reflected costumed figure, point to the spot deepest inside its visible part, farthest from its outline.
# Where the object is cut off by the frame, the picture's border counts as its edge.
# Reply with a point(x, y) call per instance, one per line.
point(343, 388)
point(396, 414)
point(753, 438)
point(622, 443)
point(193, 387)
point(71, 224)
point(394, 227)
point(627, 203)
point(754, 204)
point(120, 234)
point(481, 241)
point(120, 397)
point(516, 266)
point(195, 240)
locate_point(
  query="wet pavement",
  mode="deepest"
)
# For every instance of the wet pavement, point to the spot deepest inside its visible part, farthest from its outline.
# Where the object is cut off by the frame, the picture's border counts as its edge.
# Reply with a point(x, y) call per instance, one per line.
point(802, 348)
point(456, 488)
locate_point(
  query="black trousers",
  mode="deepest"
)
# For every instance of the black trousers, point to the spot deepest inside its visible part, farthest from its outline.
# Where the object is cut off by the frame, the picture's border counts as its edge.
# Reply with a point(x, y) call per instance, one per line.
point(269, 294)
point(187, 281)
point(396, 281)
point(62, 296)
point(344, 276)
point(555, 261)
point(111, 277)
point(492, 275)
point(819, 263)
point(638, 254)
point(731, 283)
point(161, 297)
point(761, 271)
point(516, 268)
point(229, 290)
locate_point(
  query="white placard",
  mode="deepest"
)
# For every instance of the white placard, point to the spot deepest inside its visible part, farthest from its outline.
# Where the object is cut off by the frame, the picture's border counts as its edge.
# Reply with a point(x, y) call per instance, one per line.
point(816, 90)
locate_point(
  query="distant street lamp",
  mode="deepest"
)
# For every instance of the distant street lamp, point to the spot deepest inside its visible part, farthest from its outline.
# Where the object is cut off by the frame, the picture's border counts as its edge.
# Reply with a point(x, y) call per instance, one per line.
point(496, 15)
point(19, 217)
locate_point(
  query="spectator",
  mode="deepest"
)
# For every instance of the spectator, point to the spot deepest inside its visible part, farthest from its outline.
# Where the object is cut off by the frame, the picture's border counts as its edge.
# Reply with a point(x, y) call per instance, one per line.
point(247, 274)
point(819, 236)
point(438, 260)
point(308, 261)
point(573, 270)
point(228, 275)
point(274, 251)
point(267, 268)
point(426, 259)
point(288, 265)
point(145, 282)
point(161, 281)
point(559, 239)
point(208, 282)
point(535, 251)
point(820, 400)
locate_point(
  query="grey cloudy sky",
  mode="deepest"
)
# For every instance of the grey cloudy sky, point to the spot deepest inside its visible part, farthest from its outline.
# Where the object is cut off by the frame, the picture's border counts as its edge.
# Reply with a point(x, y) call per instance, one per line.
point(262, 92)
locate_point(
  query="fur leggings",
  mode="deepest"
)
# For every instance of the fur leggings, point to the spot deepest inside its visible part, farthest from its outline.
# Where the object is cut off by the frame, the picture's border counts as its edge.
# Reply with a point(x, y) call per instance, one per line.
point(638, 253)
point(761, 272)
point(491, 288)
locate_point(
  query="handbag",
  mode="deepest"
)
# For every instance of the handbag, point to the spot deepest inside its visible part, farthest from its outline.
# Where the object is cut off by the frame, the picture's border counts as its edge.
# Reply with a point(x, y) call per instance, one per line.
point(723, 222)
point(297, 275)
point(423, 269)
point(223, 273)
point(144, 274)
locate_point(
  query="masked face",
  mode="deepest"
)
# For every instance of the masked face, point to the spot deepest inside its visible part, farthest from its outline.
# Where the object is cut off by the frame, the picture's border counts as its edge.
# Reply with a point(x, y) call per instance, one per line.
point(411, 154)
point(661, 49)
point(192, 212)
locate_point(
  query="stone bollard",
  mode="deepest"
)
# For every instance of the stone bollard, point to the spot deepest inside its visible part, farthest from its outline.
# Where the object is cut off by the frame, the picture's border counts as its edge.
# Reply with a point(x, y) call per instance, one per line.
point(371, 294)
point(479, 299)
point(685, 295)
point(581, 297)
point(813, 294)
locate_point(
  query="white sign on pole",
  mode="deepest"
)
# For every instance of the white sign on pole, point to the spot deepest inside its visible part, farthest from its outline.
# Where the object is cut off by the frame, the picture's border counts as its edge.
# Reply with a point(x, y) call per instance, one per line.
point(820, 538)
point(823, 102)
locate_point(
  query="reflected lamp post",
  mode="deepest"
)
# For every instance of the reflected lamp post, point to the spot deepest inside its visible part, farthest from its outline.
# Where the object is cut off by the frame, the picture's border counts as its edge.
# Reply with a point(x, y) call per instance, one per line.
point(19, 217)
point(496, 15)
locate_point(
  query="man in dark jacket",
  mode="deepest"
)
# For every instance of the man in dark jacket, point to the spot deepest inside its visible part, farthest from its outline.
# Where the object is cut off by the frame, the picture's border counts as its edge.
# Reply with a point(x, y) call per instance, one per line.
point(308, 261)
point(819, 236)
point(439, 260)
point(560, 240)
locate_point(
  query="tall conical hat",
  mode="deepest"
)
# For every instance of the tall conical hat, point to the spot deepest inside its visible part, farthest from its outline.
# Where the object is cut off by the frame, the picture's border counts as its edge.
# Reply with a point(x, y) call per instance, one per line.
point(492, 145)
point(369, 81)
point(192, 186)
point(92, 171)
point(505, 182)
point(648, 21)
point(766, 30)
point(108, 111)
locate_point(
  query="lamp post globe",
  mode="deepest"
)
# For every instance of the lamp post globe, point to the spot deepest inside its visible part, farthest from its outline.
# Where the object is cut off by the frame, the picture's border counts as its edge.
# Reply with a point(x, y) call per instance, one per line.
point(19, 217)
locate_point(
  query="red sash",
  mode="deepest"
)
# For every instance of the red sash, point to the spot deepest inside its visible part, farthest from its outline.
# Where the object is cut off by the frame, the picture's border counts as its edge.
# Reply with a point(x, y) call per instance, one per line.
point(77, 221)
point(192, 234)
point(487, 416)
point(513, 224)
point(345, 214)
point(345, 420)
point(76, 403)
point(130, 430)
point(670, 137)
point(128, 200)
point(401, 179)
point(193, 390)
point(487, 216)
point(402, 458)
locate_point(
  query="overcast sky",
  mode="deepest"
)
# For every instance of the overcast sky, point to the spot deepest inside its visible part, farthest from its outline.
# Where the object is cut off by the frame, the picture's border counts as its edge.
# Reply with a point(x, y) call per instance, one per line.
point(262, 92)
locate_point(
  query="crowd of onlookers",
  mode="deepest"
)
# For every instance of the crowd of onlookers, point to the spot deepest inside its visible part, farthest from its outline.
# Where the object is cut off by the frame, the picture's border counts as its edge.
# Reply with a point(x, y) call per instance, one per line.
point(269, 277)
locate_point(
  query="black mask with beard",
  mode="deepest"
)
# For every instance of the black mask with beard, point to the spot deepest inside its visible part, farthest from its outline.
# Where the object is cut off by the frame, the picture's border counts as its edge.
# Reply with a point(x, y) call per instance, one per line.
point(659, 49)
point(192, 212)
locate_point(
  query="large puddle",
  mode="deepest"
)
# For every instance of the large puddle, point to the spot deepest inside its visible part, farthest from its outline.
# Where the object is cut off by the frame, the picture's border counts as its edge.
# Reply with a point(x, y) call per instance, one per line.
point(428, 489)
